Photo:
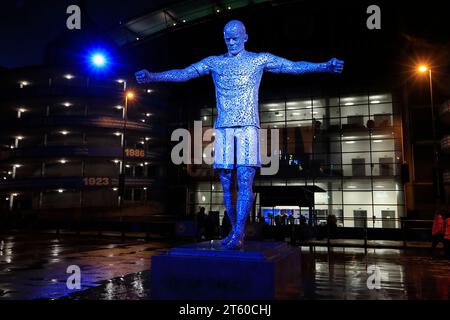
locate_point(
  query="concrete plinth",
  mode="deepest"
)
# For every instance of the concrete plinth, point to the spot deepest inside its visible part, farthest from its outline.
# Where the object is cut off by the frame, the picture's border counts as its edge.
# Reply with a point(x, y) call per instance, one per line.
point(205, 271)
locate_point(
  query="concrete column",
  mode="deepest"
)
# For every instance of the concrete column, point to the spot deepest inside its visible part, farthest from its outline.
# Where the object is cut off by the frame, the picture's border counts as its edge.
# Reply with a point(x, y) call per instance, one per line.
point(11, 201)
point(41, 199)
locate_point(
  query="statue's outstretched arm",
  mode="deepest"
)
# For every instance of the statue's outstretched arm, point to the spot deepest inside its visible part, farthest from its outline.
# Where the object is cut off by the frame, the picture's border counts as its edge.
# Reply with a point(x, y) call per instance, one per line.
point(195, 70)
point(176, 75)
point(280, 65)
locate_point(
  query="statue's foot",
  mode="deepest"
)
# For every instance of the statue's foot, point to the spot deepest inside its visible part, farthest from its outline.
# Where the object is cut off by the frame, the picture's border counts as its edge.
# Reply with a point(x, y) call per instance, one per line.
point(227, 239)
point(236, 243)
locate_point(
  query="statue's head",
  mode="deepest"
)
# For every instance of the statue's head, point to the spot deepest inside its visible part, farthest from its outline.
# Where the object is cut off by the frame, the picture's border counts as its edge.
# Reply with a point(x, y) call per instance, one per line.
point(235, 37)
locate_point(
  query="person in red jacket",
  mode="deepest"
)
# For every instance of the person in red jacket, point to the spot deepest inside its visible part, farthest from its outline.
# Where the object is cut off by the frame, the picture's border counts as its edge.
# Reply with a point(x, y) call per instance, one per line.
point(437, 232)
point(447, 234)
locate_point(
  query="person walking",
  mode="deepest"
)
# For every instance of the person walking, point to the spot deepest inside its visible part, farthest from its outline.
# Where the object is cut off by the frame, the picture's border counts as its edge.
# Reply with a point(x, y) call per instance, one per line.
point(226, 224)
point(437, 231)
point(201, 223)
point(447, 234)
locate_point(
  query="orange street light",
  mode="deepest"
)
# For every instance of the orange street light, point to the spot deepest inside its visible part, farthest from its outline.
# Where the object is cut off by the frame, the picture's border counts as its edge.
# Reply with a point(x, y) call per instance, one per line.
point(130, 95)
point(422, 68)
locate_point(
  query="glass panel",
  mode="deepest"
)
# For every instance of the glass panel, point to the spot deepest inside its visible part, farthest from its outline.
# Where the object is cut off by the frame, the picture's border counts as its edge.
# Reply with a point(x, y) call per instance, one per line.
point(299, 105)
point(299, 115)
point(202, 197)
point(294, 124)
point(355, 145)
point(354, 215)
point(357, 184)
point(357, 169)
point(386, 184)
point(388, 197)
point(386, 217)
point(353, 109)
point(357, 197)
point(356, 158)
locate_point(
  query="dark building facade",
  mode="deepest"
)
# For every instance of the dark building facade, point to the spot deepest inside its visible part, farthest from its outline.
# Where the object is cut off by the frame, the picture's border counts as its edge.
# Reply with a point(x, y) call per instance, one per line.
point(64, 136)
point(444, 115)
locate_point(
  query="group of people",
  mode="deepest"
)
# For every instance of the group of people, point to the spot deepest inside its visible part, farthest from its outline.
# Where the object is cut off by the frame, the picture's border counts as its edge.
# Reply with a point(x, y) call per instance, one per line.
point(441, 231)
point(210, 227)
point(283, 218)
point(207, 224)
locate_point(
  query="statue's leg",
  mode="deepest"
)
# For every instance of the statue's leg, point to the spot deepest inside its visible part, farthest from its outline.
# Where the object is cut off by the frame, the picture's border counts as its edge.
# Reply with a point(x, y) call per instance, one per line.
point(224, 164)
point(226, 178)
point(244, 203)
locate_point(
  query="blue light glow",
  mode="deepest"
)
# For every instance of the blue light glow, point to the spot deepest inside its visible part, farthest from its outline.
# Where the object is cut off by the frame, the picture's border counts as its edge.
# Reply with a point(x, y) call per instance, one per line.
point(99, 60)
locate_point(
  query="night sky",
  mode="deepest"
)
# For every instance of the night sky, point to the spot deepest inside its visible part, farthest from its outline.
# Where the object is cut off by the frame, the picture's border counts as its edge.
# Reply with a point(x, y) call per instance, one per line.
point(26, 26)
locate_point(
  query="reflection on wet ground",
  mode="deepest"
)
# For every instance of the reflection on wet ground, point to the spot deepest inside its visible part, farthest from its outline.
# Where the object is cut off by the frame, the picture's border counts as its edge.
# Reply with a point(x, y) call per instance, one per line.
point(35, 267)
point(342, 273)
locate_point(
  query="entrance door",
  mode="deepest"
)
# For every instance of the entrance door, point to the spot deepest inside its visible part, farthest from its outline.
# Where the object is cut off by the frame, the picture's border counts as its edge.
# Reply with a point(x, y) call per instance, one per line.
point(388, 218)
point(386, 167)
point(358, 167)
point(359, 216)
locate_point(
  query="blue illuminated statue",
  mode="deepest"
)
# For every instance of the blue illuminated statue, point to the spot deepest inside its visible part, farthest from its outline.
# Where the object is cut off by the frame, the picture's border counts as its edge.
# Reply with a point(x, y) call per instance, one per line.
point(237, 76)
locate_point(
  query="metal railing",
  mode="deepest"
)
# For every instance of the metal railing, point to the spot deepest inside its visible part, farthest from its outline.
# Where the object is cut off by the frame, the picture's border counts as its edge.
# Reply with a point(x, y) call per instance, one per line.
point(117, 226)
point(366, 229)
point(124, 226)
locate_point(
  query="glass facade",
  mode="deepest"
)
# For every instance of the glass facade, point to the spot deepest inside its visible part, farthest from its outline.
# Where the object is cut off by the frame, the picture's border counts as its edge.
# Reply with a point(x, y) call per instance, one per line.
point(350, 146)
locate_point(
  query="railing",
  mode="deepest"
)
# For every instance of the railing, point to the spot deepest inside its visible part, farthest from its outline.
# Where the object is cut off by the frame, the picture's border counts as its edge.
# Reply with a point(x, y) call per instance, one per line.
point(445, 143)
point(164, 226)
point(159, 226)
point(445, 107)
point(343, 221)
point(446, 177)
point(400, 229)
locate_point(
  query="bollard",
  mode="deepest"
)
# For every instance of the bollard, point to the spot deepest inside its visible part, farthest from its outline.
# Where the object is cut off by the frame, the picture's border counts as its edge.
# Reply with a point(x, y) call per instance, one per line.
point(404, 233)
point(365, 236)
point(328, 235)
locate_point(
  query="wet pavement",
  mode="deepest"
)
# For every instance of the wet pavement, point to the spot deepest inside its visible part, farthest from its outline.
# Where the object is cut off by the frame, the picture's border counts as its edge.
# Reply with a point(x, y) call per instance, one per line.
point(342, 273)
point(34, 267)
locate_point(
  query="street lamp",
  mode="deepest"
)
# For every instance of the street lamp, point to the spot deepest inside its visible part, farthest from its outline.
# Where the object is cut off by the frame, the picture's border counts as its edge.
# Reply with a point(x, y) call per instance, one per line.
point(425, 69)
point(436, 172)
point(129, 95)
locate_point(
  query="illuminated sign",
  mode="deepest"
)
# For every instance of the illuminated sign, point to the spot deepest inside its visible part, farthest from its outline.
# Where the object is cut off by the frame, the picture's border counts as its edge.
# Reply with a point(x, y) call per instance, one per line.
point(94, 181)
point(134, 153)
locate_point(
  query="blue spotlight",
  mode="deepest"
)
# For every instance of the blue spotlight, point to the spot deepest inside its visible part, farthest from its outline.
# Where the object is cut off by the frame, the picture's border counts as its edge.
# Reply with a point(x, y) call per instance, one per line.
point(99, 60)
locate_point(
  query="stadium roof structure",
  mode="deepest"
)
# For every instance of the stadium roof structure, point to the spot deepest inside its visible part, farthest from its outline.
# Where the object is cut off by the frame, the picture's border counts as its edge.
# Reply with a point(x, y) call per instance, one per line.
point(174, 16)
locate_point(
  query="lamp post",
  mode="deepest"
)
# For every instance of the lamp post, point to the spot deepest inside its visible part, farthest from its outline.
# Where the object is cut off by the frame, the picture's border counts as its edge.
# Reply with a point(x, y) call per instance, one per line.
point(425, 69)
point(436, 172)
point(128, 96)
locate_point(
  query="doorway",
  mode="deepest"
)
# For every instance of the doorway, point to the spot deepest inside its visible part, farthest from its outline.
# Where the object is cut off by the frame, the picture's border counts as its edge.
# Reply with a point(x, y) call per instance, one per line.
point(359, 217)
point(359, 167)
point(388, 219)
